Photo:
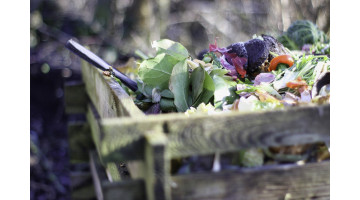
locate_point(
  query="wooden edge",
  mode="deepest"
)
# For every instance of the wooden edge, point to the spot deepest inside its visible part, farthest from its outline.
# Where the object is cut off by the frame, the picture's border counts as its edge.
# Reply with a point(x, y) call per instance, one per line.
point(75, 98)
point(112, 172)
point(135, 151)
point(127, 189)
point(98, 175)
point(224, 132)
point(309, 181)
point(80, 141)
point(108, 97)
point(93, 120)
point(157, 166)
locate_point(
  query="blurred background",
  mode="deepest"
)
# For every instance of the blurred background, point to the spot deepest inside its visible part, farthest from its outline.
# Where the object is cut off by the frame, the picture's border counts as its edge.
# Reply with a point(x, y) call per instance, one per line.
point(114, 30)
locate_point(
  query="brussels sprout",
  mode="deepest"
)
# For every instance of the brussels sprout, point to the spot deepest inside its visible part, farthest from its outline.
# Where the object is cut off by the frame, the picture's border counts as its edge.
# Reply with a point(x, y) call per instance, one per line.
point(302, 32)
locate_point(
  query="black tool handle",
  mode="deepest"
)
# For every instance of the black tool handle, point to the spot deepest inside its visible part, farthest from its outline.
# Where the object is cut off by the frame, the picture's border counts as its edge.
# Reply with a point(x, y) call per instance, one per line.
point(93, 59)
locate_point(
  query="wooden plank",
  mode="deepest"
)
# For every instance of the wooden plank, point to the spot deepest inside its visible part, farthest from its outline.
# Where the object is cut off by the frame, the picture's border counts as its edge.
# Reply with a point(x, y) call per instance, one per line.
point(93, 120)
point(157, 166)
point(82, 187)
point(310, 181)
point(98, 175)
point(135, 152)
point(127, 189)
point(75, 98)
point(108, 97)
point(128, 152)
point(80, 141)
point(235, 131)
point(223, 132)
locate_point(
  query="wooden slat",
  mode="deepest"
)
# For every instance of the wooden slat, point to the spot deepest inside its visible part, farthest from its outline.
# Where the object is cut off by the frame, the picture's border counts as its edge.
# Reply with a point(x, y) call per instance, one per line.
point(134, 151)
point(108, 97)
point(157, 166)
point(75, 98)
point(236, 131)
point(222, 132)
point(82, 187)
point(310, 181)
point(127, 189)
point(80, 141)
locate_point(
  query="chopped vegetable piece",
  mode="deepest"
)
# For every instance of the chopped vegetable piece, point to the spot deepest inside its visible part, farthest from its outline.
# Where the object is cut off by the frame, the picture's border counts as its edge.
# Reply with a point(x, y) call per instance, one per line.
point(264, 78)
point(285, 59)
point(295, 84)
point(239, 65)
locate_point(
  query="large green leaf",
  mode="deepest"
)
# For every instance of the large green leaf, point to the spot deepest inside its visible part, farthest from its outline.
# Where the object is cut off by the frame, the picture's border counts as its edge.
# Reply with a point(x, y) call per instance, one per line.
point(179, 85)
point(207, 90)
point(222, 84)
point(197, 82)
point(170, 47)
point(156, 71)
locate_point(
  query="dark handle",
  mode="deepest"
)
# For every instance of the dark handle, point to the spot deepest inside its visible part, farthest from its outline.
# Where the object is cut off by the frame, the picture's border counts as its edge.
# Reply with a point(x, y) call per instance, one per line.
point(93, 59)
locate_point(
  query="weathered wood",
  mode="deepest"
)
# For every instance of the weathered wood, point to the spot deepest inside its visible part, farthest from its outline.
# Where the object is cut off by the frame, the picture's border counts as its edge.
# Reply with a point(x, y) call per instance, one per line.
point(235, 131)
point(127, 189)
point(223, 132)
point(80, 141)
point(98, 175)
point(157, 166)
point(112, 172)
point(93, 120)
point(310, 181)
point(108, 97)
point(128, 152)
point(81, 186)
point(75, 98)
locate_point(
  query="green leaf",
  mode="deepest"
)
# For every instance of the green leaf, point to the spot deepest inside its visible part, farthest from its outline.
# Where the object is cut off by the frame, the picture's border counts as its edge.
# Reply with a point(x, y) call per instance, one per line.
point(156, 71)
point(167, 105)
point(207, 90)
point(197, 82)
point(144, 89)
point(167, 94)
point(179, 85)
point(175, 49)
point(222, 84)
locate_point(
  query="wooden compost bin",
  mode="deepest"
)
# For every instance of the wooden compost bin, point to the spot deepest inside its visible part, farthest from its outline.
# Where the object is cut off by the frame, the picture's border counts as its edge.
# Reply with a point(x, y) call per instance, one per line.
point(123, 134)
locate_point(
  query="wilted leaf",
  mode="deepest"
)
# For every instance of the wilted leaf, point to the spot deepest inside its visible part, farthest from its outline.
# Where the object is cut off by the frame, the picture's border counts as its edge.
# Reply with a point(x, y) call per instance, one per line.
point(179, 85)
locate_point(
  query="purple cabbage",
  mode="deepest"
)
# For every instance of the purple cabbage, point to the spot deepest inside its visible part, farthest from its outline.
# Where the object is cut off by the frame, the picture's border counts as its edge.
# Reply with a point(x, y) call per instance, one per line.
point(264, 78)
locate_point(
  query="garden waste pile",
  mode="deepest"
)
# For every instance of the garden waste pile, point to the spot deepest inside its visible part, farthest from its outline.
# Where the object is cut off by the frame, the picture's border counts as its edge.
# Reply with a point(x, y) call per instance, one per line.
point(263, 73)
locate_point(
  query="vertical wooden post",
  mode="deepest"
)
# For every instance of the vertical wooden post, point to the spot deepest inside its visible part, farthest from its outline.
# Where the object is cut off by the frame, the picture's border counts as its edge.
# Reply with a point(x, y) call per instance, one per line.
point(157, 166)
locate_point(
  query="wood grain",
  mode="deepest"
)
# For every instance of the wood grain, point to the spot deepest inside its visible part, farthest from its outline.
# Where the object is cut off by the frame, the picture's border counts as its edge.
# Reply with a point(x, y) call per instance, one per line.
point(223, 132)
point(157, 166)
point(81, 186)
point(310, 181)
point(127, 189)
point(80, 141)
point(108, 97)
point(75, 98)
